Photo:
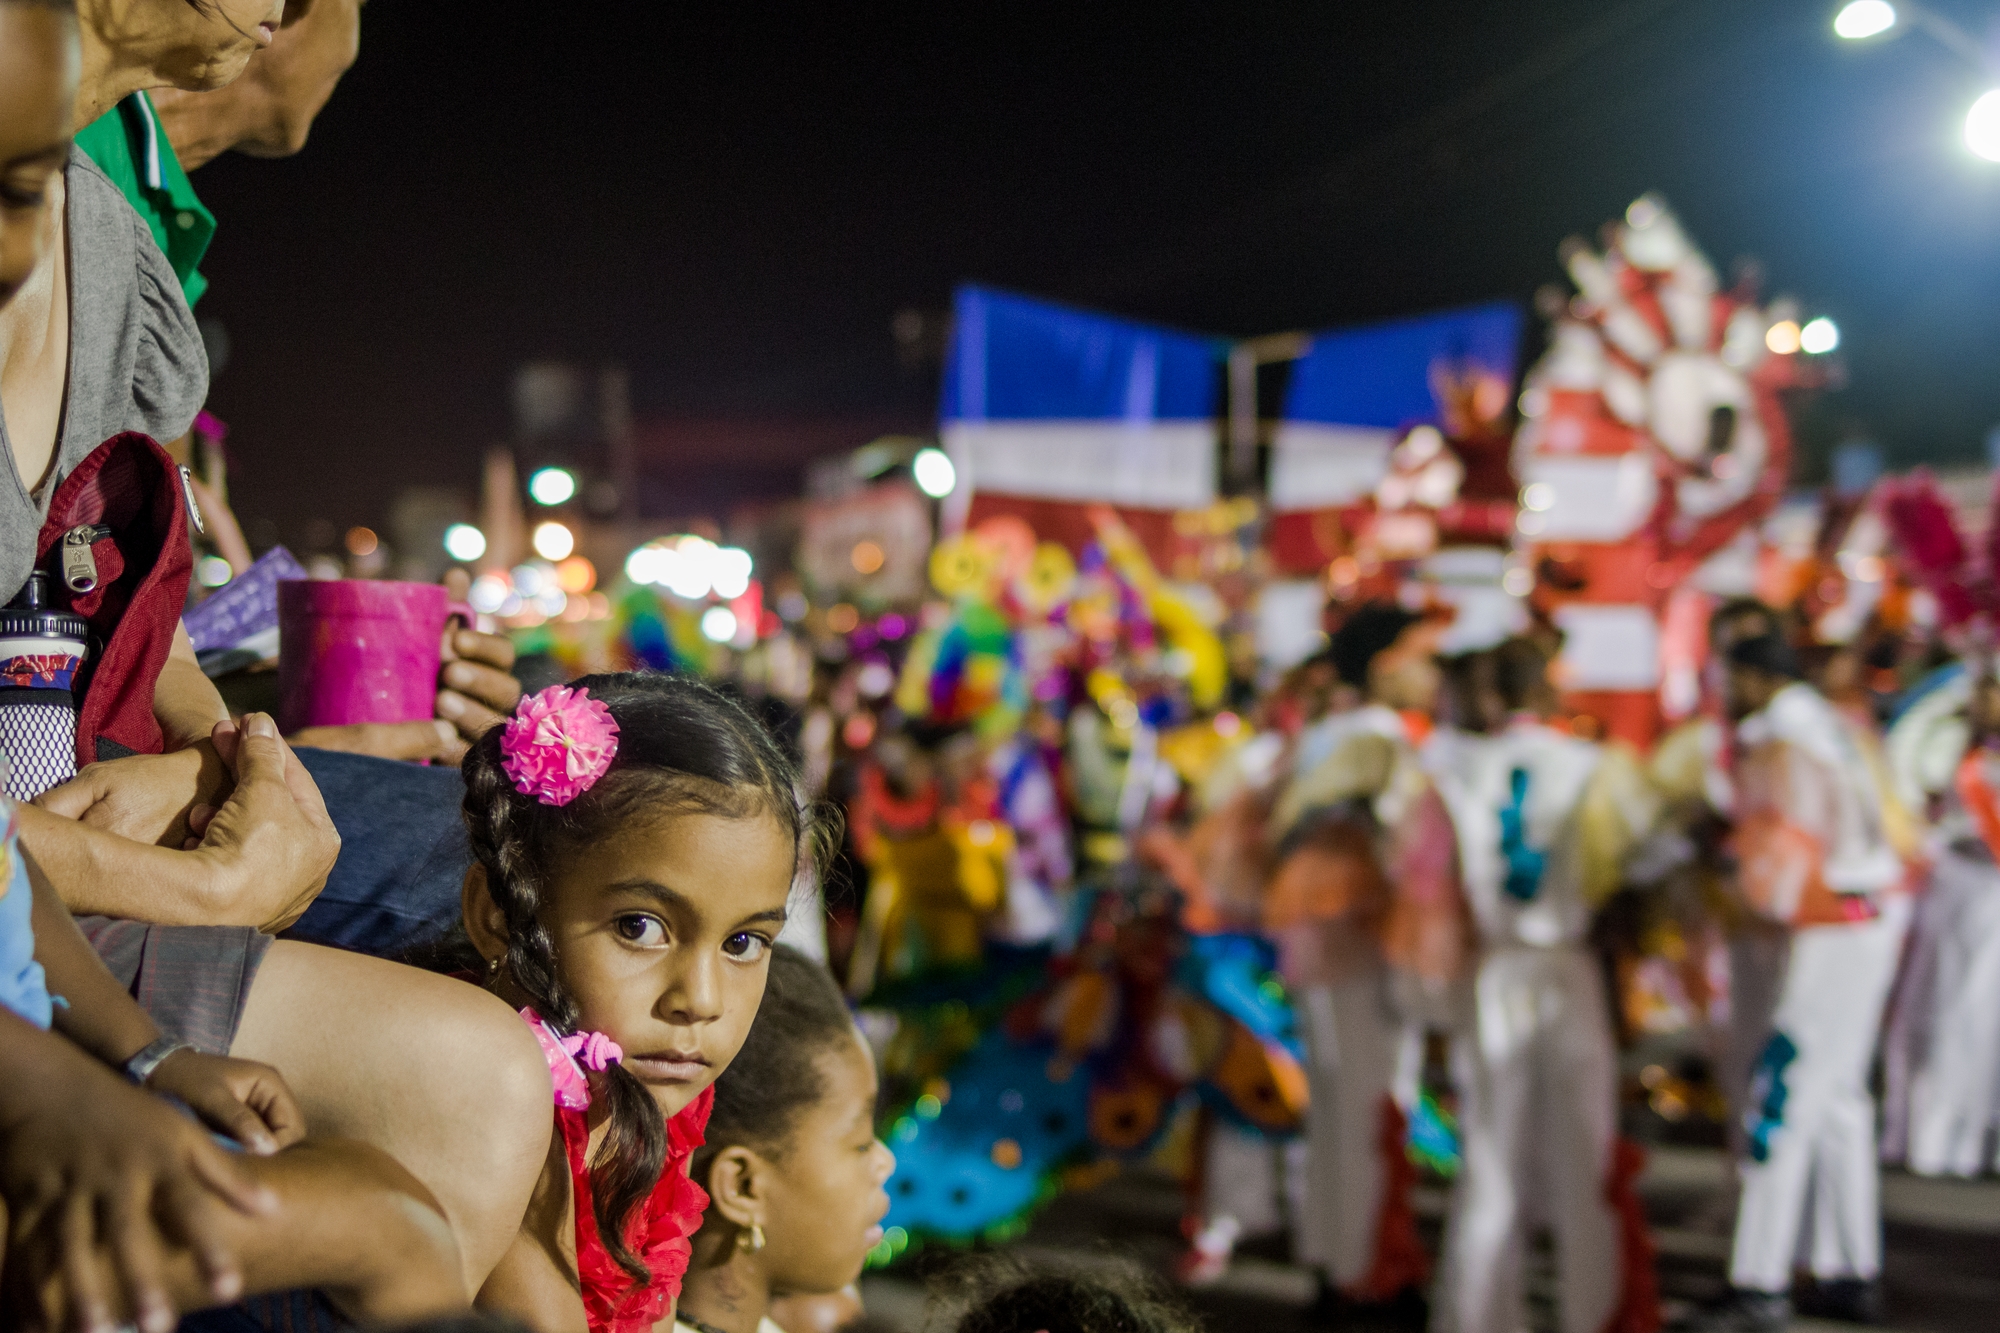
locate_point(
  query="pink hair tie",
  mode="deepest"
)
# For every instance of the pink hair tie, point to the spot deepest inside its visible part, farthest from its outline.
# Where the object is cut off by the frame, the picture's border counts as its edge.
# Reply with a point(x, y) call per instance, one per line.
point(558, 744)
point(593, 1050)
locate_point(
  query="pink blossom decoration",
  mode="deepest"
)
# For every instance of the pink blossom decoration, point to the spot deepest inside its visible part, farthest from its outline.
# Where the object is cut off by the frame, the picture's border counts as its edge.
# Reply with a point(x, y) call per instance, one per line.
point(558, 744)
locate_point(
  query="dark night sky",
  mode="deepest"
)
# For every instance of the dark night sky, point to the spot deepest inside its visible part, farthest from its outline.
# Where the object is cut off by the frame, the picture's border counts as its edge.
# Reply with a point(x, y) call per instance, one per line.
point(734, 200)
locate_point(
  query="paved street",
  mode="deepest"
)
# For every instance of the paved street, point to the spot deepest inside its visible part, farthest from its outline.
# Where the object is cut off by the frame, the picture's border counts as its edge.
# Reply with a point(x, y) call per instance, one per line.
point(1943, 1266)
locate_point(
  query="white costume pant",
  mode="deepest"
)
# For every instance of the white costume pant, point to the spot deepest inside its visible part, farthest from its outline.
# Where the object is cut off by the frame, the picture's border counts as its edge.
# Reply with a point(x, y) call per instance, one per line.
point(1353, 1039)
point(1244, 1177)
point(1810, 1184)
point(1537, 1115)
point(1946, 1034)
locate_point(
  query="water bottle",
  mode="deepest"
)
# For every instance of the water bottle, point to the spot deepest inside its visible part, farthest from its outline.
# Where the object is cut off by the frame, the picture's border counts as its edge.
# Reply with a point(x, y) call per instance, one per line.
point(41, 649)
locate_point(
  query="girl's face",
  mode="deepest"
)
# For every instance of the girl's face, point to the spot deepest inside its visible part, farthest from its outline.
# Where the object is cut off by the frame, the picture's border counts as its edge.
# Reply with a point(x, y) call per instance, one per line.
point(827, 1200)
point(38, 69)
point(663, 935)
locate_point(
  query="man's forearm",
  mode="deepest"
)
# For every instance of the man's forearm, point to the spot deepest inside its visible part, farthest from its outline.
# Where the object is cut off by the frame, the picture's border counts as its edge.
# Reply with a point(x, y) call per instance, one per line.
point(102, 873)
point(185, 701)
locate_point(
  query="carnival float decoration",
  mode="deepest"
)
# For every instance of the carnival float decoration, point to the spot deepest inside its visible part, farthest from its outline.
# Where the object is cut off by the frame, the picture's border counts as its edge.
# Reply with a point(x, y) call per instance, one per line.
point(1652, 439)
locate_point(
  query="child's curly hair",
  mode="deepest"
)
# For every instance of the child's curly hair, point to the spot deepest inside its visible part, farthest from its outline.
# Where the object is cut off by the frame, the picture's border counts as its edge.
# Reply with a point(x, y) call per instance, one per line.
point(683, 748)
point(1001, 1294)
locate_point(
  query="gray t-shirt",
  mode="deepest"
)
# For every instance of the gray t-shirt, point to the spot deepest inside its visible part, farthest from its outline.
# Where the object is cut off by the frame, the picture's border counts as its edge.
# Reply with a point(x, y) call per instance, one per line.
point(136, 361)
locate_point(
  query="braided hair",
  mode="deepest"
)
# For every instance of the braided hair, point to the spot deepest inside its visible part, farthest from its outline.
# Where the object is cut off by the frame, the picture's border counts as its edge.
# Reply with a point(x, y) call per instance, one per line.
point(683, 748)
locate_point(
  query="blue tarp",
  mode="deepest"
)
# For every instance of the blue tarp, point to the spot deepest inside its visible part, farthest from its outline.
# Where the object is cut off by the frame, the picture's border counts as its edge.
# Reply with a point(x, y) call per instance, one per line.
point(1379, 374)
point(1014, 358)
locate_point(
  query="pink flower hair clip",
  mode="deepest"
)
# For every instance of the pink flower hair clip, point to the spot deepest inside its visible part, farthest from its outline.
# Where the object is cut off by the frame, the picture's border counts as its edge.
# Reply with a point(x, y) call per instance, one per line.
point(558, 744)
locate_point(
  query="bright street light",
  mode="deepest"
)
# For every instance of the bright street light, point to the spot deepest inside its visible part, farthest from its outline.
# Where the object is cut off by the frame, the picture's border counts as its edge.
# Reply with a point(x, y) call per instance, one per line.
point(934, 474)
point(1863, 19)
point(1982, 126)
point(552, 485)
point(1819, 336)
point(553, 541)
point(462, 541)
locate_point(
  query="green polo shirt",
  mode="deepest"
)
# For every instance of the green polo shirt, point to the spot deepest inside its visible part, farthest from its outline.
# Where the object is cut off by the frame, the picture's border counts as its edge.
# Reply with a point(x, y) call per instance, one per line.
point(128, 144)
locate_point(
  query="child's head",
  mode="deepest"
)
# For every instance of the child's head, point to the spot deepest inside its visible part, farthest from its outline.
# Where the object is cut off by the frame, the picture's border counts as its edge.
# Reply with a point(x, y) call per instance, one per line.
point(792, 1154)
point(1001, 1295)
point(646, 907)
point(38, 73)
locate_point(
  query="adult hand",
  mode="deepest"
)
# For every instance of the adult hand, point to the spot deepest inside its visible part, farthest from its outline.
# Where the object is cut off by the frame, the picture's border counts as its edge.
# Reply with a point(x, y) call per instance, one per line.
point(99, 1181)
point(271, 844)
point(477, 691)
point(144, 797)
point(241, 1098)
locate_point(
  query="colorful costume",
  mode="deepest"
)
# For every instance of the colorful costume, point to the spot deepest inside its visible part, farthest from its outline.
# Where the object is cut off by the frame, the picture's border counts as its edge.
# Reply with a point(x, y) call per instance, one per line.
point(1359, 817)
point(1543, 821)
point(1816, 857)
point(1943, 1045)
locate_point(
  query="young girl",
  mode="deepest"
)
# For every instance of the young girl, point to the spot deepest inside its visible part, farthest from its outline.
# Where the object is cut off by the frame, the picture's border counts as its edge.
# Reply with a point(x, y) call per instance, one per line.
point(793, 1169)
point(635, 841)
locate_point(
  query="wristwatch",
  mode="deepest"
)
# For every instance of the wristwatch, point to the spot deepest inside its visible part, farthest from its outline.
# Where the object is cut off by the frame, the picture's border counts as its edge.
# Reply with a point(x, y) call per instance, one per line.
point(151, 1056)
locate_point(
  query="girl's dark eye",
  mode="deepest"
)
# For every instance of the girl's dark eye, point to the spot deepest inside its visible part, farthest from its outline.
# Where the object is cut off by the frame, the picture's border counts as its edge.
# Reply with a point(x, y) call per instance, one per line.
point(745, 947)
point(641, 930)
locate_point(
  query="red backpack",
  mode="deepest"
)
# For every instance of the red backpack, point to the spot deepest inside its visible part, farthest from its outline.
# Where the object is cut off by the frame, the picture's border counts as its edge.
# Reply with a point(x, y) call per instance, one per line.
point(116, 542)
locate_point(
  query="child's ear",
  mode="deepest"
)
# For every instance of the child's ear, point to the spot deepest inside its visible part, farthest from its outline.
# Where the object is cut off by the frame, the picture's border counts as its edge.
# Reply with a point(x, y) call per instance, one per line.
point(737, 1187)
point(485, 923)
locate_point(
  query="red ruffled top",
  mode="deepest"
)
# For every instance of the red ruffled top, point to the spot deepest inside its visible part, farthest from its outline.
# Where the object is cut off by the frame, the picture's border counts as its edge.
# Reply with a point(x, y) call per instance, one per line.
point(660, 1230)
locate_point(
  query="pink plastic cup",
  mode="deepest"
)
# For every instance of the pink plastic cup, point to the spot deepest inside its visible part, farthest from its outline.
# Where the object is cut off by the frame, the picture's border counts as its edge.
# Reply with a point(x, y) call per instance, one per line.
point(360, 650)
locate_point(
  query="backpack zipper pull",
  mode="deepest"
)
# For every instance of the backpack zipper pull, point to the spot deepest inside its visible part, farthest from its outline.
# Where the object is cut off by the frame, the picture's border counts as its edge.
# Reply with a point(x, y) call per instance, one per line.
point(194, 510)
point(79, 564)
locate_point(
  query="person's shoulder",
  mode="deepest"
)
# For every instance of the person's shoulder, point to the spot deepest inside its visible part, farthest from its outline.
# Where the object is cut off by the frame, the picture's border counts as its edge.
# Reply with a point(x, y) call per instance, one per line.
point(95, 198)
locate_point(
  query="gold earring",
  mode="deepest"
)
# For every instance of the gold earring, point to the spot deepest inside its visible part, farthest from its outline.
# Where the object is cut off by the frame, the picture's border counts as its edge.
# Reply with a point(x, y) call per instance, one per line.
point(752, 1240)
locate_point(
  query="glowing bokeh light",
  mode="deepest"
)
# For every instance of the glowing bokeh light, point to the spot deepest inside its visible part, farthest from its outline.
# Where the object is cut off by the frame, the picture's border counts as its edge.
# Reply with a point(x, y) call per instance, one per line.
point(462, 541)
point(553, 541)
point(934, 474)
point(552, 486)
point(1982, 126)
point(1783, 337)
point(718, 624)
point(1819, 336)
point(1863, 19)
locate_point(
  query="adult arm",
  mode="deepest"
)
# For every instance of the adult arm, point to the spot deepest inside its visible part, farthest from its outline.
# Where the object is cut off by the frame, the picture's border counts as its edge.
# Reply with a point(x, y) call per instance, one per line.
point(148, 797)
point(185, 701)
point(263, 856)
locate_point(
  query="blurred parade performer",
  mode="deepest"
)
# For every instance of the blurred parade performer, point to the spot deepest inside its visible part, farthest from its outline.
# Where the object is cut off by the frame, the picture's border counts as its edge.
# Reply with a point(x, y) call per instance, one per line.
point(1943, 1052)
point(1544, 822)
point(1943, 1047)
point(1817, 858)
point(1362, 851)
